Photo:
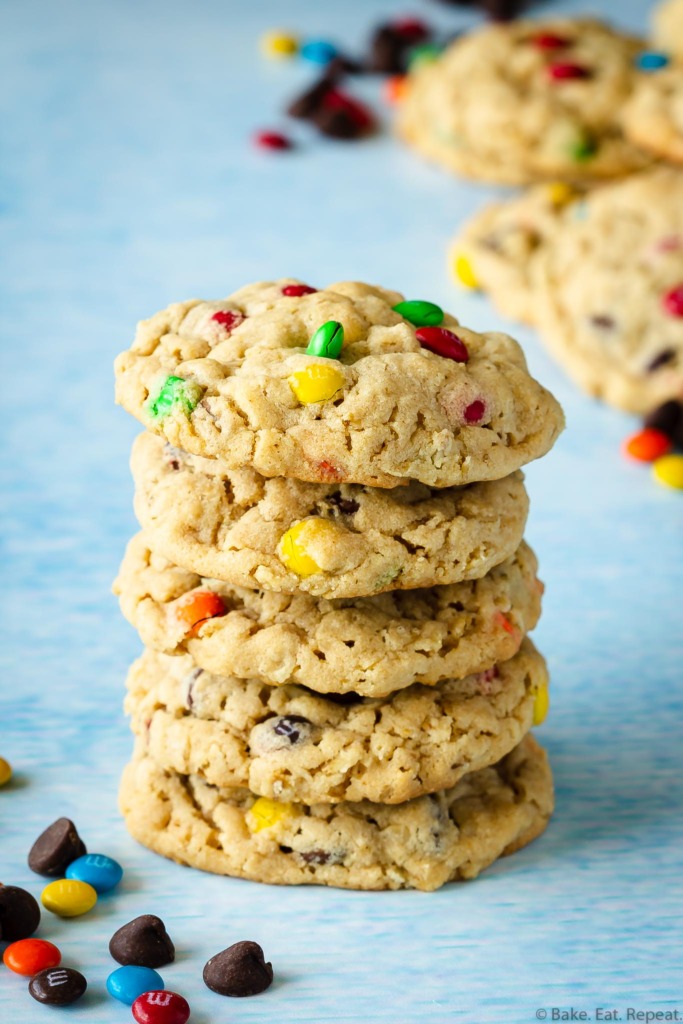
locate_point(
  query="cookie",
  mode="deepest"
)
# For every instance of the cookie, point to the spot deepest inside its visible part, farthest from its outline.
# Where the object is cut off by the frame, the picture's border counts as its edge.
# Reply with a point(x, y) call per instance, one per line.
point(667, 26)
point(610, 292)
point(289, 743)
point(254, 381)
point(526, 101)
point(653, 117)
point(421, 844)
point(370, 646)
point(328, 540)
point(496, 249)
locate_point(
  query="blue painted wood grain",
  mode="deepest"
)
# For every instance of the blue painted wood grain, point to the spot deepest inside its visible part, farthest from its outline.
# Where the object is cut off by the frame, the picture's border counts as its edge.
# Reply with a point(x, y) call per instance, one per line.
point(128, 182)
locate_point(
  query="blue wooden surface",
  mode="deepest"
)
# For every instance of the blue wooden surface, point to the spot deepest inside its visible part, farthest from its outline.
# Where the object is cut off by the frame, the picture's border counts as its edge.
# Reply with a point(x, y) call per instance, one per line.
point(128, 181)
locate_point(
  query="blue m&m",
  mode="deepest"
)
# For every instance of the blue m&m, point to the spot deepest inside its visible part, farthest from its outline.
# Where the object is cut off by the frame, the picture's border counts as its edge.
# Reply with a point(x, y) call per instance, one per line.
point(128, 983)
point(97, 870)
point(651, 60)
point(319, 51)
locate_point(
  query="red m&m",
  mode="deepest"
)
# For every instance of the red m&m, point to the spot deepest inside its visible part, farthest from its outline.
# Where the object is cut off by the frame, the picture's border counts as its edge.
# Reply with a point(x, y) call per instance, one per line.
point(443, 342)
point(297, 290)
point(564, 71)
point(673, 301)
point(161, 1007)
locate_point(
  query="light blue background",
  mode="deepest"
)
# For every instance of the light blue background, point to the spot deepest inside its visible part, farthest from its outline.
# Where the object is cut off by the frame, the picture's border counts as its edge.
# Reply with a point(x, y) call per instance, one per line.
point(129, 181)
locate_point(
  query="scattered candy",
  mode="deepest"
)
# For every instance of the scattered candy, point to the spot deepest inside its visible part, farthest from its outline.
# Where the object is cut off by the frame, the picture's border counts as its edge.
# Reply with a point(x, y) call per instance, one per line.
point(650, 60)
point(411, 29)
point(295, 542)
point(68, 898)
point(474, 412)
point(550, 41)
point(161, 1008)
point(342, 117)
point(128, 983)
point(673, 301)
point(443, 342)
point(175, 393)
point(647, 445)
point(327, 341)
point(28, 956)
point(464, 272)
point(58, 987)
point(144, 942)
point(541, 704)
point(319, 51)
point(272, 140)
point(194, 609)
point(564, 71)
point(98, 870)
point(388, 48)
point(265, 813)
point(419, 313)
point(239, 970)
point(19, 913)
point(669, 471)
point(297, 290)
point(5, 771)
point(395, 88)
point(279, 44)
point(317, 383)
point(56, 848)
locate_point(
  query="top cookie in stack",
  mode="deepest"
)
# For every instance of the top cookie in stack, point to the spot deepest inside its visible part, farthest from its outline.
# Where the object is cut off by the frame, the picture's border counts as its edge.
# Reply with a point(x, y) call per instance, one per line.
point(334, 585)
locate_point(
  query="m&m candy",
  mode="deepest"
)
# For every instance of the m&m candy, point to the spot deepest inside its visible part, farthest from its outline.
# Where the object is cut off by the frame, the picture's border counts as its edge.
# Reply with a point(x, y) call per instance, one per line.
point(317, 383)
point(464, 272)
point(175, 393)
point(57, 986)
point(297, 290)
point(327, 341)
point(651, 60)
point(68, 898)
point(279, 44)
point(28, 956)
point(541, 704)
point(294, 547)
point(647, 445)
point(265, 813)
point(128, 983)
point(98, 870)
point(272, 140)
point(161, 1008)
point(194, 609)
point(319, 51)
point(669, 471)
point(419, 313)
point(5, 771)
point(443, 342)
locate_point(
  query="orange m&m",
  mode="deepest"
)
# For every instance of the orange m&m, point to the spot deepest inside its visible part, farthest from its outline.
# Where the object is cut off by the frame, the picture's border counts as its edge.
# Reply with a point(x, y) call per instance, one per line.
point(196, 608)
point(28, 956)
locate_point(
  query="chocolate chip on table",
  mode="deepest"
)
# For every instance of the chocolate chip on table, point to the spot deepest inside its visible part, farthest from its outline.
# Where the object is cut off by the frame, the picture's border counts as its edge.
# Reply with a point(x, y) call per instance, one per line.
point(143, 942)
point(19, 913)
point(56, 848)
point(240, 970)
point(387, 51)
point(668, 418)
point(57, 986)
point(309, 102)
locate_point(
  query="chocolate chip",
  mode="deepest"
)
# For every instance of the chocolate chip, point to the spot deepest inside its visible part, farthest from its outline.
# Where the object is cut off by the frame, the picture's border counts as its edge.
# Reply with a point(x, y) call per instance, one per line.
point(668, 418)
point(345, 700)
point(666, 356)
point(346, 505)
point(240, 970)
point(188, 683)
point(387, 51)
point(315, 857)
point(337, 123)
point(287, 726)
point(56, 848)
point(604, 322)
point(19, 913)
point(174, 456)
point(57, 986)
point(143, 942)
point(309, 102)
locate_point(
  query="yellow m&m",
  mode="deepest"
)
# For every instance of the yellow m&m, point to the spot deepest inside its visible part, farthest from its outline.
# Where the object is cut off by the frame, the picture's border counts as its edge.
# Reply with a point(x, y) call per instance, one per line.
point(68, 897)
point(464, 271)
point(265, 813)
point(278, 44)
point(541, 704)
point(669, 471)
point(317, 383)
point(295, 543)
point(559, 193)
point(5, 771)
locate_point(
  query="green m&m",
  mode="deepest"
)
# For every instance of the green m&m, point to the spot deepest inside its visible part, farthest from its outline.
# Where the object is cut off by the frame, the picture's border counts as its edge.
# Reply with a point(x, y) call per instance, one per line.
point(175, 393)
point(421, 314)
point(327, 341)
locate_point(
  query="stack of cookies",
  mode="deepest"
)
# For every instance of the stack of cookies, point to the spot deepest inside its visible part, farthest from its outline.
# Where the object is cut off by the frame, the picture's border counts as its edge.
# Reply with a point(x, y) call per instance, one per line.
point(333, 589)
